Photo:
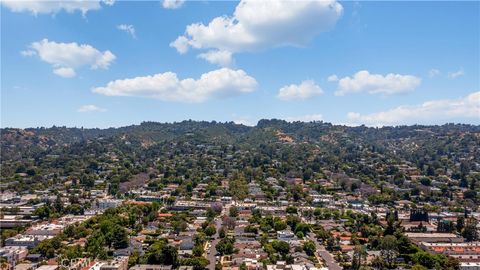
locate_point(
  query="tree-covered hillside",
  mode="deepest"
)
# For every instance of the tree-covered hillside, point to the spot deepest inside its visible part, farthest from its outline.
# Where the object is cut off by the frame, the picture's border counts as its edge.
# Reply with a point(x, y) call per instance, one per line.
point(431, 161)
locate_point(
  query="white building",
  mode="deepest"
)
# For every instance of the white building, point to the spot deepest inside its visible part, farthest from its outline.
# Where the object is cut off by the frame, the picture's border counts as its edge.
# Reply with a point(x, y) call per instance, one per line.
point(470, 266)
point(13, 254)
point(29, 241)
point(281, 265)
point(108, 203)
point(285, 235)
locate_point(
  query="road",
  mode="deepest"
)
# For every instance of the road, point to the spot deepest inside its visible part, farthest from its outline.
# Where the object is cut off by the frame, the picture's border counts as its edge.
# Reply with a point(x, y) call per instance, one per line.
point(326, 256)
point(212, 252)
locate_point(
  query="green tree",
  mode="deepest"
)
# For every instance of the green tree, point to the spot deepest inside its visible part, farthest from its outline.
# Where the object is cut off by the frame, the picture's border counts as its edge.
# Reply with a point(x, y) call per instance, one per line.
point(233, 212)
point(198, 263)
point(198, 250)
point(427, 260)
point(72, 252)
point(281, 247)
point(199, 239)
point(359, 257)
point(419, 267)
point(291, 209)
point(279, 225)
point(389, 250)
point(225, 246)
point(470, 231)
point(179, 226)
point(43, 212)
point(58, 204)
point(153, 254)
point(120, 237)
point(460, 224)
point(251, 229)
point(210, 230)
point(238, 187)
point(169, 255)
point(95, 243)
point(221, 232)
point(48, 247)
point(302, 227)
point(309, 248)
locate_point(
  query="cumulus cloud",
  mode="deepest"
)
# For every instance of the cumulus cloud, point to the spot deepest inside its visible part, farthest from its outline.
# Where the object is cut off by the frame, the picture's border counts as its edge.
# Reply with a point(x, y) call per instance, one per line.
point(181, 44)
point(435, 111)
point(65, 72)
point(305, 90)
point(221, 58)
point(243, 121)
point(257, 25)
point(28, 53)
point(456, 74)
point(305, 118)
point(66, 57)
point(90, 108)
point(433, 72)
point(332, 78)
point(167, 87)
point(127, 28)
point(390, 84)
point(172, 4)
point(47, 7)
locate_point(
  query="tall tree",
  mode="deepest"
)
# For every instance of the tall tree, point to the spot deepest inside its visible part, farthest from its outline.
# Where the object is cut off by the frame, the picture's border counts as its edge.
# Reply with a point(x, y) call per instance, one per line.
point(389, 250)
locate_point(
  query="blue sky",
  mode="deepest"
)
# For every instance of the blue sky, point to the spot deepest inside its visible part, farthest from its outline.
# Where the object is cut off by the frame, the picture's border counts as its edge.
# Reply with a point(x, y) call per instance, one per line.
point(373, 63)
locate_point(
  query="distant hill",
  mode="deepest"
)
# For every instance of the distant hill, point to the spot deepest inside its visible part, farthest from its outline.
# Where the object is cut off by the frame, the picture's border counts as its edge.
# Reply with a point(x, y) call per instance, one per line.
point(228, 131)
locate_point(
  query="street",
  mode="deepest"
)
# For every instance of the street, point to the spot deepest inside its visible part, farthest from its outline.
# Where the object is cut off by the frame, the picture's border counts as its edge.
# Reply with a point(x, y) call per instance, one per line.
point(212, 252)
point(330, 262)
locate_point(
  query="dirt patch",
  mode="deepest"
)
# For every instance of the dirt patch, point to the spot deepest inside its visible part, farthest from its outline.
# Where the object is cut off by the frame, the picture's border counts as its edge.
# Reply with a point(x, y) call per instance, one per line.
point(136, 181)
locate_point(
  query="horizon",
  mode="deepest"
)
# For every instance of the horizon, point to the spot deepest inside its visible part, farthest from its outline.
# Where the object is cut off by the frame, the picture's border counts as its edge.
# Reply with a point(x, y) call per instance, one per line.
point(242, 124)
point(101, 64)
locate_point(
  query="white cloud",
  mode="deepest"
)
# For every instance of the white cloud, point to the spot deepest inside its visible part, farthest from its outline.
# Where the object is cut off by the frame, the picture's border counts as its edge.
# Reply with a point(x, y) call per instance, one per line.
point(305, 90)
point(430, 112)
point(28, 53)
point(65, 72)
point(305, 118)
point(181, 44)
point(456, 74)
point(167, 87)
point(332, 78)
point(257, 25)
point(66, 57)
point(221, 58)
point(244, 122)
point(390, 84)
point(172, 4)
point(46, 7)
point(128, 28)
point(90, 108)
point(108, 2)
point(433, 72)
